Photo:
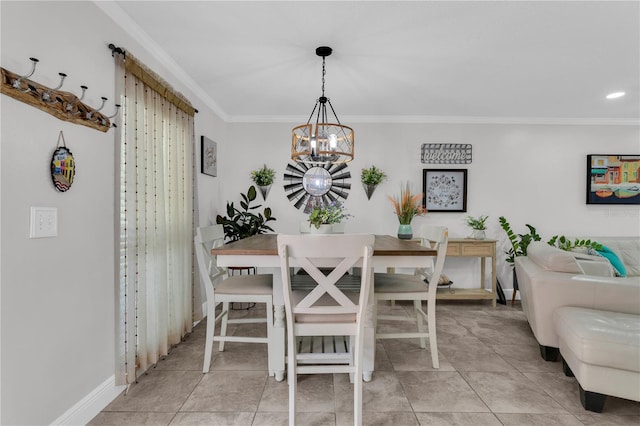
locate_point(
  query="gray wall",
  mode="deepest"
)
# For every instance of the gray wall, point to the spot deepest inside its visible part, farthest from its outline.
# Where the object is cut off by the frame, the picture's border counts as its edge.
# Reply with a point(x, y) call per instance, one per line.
point(57, 294)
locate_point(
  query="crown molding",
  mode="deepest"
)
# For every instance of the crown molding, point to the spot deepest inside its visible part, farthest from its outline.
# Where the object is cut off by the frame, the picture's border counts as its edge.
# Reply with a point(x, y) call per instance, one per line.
point(124, 21)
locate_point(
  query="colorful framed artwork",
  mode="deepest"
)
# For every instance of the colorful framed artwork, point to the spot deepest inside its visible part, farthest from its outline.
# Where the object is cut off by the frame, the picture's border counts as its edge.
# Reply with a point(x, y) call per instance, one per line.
point(613, 179)
point(445, 190)
point(208, 156)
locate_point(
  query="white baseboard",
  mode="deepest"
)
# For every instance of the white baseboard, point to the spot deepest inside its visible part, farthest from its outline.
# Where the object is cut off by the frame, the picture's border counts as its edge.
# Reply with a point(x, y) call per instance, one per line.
point(89, 406)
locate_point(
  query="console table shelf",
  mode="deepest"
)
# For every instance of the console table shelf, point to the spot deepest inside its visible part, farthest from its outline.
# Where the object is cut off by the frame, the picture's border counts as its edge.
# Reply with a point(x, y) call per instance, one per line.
point(483, 249)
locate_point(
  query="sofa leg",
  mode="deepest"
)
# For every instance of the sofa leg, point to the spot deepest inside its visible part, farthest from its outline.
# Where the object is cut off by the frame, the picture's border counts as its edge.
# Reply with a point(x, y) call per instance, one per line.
point(548, 353)
point(566, 369)
point(592, 401)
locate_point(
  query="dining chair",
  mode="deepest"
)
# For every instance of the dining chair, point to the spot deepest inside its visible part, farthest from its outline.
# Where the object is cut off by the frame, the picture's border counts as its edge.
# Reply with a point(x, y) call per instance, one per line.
point(412, 287)
point(220, 287)
point(325, 309)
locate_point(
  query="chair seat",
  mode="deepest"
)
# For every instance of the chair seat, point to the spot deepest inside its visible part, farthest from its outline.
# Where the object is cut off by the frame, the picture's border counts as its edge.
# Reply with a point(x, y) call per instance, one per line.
point(246, 285)
point(325, 300)
point(398, 283)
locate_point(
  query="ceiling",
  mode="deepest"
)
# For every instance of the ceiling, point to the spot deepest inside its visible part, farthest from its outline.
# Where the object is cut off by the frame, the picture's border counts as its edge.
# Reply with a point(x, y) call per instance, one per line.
point(397, 61)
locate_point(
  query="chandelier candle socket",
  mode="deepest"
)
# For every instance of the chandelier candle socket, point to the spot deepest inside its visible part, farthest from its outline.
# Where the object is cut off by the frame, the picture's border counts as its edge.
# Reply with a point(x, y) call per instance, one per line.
point(327, 141)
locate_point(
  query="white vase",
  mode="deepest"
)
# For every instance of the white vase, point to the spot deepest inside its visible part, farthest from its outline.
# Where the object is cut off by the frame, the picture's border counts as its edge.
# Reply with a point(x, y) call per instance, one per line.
point(479, 234)
point(323, 229)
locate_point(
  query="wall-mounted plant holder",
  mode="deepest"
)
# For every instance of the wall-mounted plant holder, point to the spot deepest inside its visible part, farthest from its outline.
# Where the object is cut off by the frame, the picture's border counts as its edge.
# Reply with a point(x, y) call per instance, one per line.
point(63, 105)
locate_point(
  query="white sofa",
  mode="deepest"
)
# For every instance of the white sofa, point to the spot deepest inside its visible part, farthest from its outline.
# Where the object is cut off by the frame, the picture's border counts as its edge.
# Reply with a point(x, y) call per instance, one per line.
point(549, 278)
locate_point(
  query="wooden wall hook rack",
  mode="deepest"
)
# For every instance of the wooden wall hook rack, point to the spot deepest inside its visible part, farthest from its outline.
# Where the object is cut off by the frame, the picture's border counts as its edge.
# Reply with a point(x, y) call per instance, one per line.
point(63, 105)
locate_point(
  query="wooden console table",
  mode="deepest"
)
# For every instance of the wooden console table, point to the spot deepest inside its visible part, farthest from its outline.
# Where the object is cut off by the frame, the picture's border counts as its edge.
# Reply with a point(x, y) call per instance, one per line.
point(467, 247)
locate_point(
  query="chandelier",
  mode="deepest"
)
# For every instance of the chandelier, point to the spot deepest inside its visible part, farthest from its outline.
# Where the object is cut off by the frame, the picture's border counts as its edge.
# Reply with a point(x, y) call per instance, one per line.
point(326, 141)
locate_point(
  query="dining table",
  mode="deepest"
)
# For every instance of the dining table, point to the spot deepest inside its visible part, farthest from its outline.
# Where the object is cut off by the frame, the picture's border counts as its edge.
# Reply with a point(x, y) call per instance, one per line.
point(261, 251)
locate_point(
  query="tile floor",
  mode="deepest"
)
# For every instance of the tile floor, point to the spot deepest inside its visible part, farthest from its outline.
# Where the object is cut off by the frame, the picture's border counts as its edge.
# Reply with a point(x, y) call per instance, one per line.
point(490, 373)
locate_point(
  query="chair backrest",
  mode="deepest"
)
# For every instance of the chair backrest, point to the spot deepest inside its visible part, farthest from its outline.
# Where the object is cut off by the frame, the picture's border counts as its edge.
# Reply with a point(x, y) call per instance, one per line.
point(207, 238)
point(337, 253)
point(436, 237)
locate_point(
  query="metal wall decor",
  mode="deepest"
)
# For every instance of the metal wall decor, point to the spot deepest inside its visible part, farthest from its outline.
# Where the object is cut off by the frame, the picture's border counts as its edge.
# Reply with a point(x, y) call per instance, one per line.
point(310, 185)
point(446, 153)
point(63, 105)
point(63, 166)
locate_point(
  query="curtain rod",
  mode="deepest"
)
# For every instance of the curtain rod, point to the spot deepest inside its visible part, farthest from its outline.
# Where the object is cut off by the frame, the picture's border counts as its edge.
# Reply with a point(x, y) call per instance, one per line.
point(115, 49)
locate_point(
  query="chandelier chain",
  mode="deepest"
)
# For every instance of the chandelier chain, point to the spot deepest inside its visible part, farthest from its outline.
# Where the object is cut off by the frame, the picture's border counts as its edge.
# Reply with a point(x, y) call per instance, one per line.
point(323, 74)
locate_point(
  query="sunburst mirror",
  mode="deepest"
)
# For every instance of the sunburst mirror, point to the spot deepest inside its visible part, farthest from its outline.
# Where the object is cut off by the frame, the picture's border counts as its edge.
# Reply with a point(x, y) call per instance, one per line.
point(309, 185)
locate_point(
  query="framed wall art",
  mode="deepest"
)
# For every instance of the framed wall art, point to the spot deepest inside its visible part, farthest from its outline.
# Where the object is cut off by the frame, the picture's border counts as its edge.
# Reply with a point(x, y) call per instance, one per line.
point(208, 156)
point(613, 179)
point(445, 190)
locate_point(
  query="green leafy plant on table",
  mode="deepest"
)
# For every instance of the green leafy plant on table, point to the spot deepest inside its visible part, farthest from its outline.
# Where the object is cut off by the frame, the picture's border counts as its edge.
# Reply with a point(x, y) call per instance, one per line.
point(477, 223)
point(328, 214)
point(246, 221)
point(519, 242)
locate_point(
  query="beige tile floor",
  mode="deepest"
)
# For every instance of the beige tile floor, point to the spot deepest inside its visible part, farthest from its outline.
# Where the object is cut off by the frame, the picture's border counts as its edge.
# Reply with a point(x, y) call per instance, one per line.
point(490, 373)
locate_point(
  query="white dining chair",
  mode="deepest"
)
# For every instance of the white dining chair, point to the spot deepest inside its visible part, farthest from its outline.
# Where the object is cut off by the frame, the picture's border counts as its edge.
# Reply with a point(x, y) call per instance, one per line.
point(412, 287)
point(220, 287)
point(325, 309)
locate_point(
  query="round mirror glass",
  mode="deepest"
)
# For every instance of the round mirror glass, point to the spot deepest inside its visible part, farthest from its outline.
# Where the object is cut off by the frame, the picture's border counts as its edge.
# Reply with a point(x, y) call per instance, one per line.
point(317, 181)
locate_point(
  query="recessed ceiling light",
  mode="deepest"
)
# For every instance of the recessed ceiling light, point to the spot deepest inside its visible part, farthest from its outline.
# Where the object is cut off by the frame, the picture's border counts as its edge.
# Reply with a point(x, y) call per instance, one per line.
point(615, 95)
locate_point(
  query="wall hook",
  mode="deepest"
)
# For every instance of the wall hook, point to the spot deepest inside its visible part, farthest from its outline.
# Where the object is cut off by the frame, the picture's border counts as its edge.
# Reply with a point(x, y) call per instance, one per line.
point(72, 105)
point(18, 82)
point(115, 113)
point(90, 114)
point(46, 96)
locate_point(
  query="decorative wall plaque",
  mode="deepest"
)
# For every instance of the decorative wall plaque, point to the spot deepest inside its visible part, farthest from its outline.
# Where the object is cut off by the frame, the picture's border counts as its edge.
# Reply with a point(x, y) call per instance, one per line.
point(446, 153)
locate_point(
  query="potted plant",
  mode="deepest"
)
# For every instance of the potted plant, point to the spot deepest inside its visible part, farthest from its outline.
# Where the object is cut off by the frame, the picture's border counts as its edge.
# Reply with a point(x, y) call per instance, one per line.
point(239, 224)
point(371, 178)
point(264, 178)
point(406, 207)
point(478, 225)
point(324, 216)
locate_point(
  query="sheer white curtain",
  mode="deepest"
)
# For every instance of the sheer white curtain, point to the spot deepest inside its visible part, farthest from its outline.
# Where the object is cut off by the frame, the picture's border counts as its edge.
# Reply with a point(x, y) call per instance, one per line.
point(155, 211)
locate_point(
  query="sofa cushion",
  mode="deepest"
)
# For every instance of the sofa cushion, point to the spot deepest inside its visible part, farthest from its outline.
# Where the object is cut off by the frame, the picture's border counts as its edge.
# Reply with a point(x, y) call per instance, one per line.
point(615, 261)
point(627, 249)
point(552, 258)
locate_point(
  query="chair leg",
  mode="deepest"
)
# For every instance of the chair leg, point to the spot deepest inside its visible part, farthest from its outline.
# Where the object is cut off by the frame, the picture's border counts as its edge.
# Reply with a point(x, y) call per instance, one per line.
point(270, 347)
point(357, 384)
point(223, 324)
point(433, 340)
point(513, 298)
point(417, 307)
point(211, 325)
point(292, 379)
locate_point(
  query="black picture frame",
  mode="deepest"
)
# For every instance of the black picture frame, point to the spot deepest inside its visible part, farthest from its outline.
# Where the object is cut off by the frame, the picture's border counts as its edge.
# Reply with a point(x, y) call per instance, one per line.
point(208, 157)
point(613, 179)
point(445, 190)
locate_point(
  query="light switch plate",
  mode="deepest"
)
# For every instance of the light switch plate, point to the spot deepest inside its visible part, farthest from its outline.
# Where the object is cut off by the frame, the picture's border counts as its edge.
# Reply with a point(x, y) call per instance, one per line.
point(44, 222)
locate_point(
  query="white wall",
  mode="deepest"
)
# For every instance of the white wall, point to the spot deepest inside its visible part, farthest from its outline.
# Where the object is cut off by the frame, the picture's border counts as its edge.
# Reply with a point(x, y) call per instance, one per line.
point(57, 306)
point(57, 294)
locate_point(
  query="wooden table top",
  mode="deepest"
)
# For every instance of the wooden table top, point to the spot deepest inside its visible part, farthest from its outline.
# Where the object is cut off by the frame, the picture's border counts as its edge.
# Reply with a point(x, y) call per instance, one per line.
point(266, 245)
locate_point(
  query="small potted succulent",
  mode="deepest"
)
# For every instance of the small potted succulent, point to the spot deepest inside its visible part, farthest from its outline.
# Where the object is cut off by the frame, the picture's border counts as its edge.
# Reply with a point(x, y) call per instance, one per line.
point(371, 178)
point(264, 178)
point(478, 225)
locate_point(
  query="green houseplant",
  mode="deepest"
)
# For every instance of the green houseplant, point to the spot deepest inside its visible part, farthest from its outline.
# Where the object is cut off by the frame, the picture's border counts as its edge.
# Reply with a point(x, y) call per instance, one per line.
point(328, 214)
point(478, 225)
point(264, 178)
point(371, 178)
point(244, 222)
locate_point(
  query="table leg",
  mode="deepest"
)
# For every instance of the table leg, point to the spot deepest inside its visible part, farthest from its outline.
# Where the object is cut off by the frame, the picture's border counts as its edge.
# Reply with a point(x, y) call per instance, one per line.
point(278, 339)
